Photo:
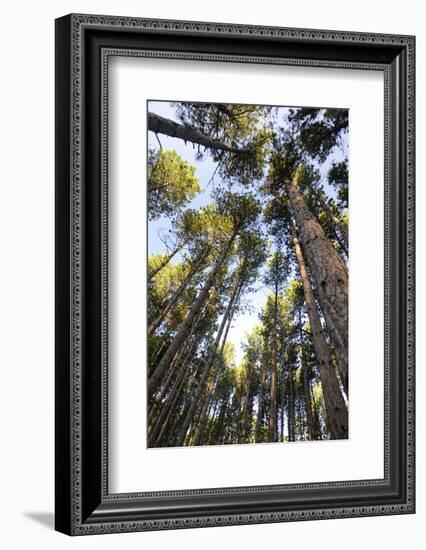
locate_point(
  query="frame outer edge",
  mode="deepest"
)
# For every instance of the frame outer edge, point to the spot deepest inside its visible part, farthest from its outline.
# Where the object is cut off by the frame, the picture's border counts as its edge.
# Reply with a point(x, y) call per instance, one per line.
point(77, 22)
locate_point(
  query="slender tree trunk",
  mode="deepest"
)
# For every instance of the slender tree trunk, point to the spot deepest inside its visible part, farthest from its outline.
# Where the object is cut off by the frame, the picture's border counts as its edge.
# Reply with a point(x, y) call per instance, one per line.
point(337, 414)
point(212, 423)
point(161, 423)
point(195, 400)
point(152, 327)
point(329, 272)
point(282, 395)
point(161, 125)
point(342, 228)
point(229, 313)
point(220, 431)
point(308, 405)
point(272, 426)
point(290, 403)
point(243, 432)
point(160, 349)
point(260, 406)
point(188, 347)
point(171, 410)
point(167, 259)
point(179, 339)
point(342, 245)
point(338, 225)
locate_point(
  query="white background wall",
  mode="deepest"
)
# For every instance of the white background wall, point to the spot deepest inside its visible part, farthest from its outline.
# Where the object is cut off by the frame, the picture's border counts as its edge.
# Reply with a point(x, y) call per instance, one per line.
point(27, 261)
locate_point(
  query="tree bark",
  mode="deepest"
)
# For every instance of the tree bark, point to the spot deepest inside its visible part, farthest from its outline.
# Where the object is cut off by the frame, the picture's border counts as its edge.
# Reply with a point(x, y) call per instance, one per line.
point(155, 379)
point(337, 413)
point(329, 272)
point(161, 125)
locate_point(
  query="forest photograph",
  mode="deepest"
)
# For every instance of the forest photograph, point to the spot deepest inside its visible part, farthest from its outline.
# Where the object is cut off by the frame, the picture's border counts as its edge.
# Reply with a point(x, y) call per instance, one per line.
point(247, 274)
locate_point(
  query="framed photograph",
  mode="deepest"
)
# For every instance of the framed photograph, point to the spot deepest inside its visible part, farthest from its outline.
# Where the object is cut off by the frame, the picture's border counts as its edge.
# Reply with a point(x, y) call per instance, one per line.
point(234, 274)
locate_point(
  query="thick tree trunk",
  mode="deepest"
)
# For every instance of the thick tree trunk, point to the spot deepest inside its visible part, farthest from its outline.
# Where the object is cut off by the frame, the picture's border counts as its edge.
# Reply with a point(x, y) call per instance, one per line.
point(179, 339)
point(337, 414)
point(341, 346)
point(167, 259)
point(330, 275)
point(161, 125)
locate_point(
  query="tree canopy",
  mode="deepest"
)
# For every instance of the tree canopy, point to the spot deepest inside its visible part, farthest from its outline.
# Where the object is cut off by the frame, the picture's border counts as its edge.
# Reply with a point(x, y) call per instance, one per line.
point(172, 183)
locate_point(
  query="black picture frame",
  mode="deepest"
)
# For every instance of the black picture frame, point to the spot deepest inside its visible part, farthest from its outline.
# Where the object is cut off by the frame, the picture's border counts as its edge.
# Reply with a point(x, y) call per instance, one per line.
point(83, 45)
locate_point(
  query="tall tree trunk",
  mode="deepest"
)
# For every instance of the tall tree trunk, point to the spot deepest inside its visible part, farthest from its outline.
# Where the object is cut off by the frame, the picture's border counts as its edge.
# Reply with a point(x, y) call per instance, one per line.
point(161, 423)
point(337, 414)
point(329, 272)
point(290, 406)
point(341, 243)
point(260, 405)
point(338, 226)
point(229, 313)
point(212, 423)
point(220, 430)
point(152, 327)
point(272, 426)
point(282, 396)
point(179, 339)
point(243, 432)
point(307, 394)
point(185, 351)
point(161, 125)
point(316, 415)
point(206, 371)
point(342, 228)
point(340, 351)
point(167, 259)
point(308, 405)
